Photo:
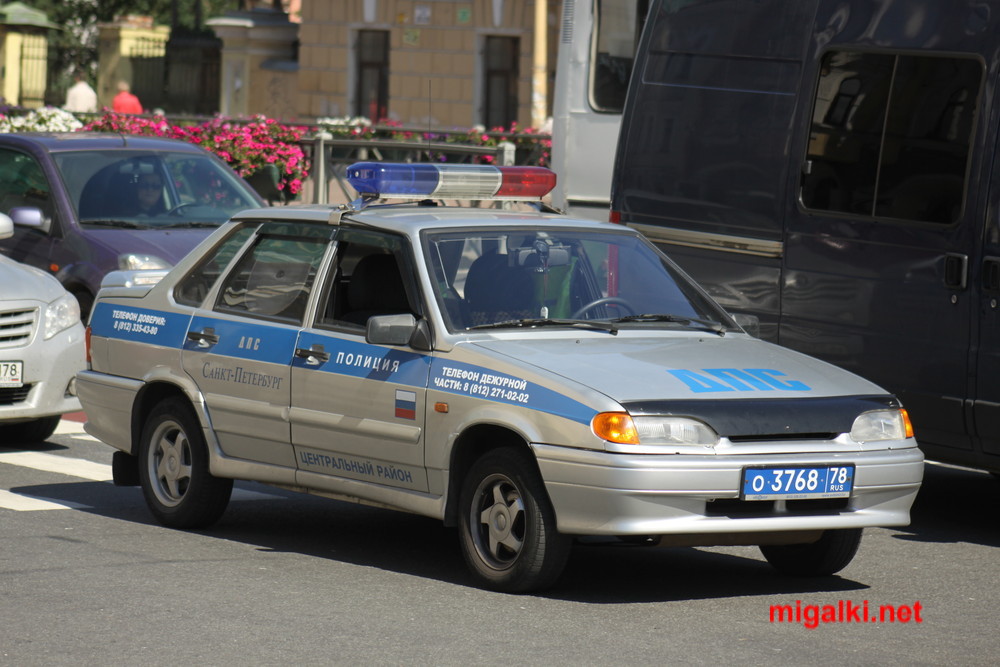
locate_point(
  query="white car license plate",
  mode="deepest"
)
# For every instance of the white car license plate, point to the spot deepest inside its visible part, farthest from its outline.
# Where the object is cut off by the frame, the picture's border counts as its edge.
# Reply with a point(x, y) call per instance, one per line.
point(11, 373)
point(797, 483)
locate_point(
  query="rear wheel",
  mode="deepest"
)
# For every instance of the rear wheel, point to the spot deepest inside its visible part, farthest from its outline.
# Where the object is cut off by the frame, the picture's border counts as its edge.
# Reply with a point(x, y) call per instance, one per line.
point(36, 430)
point(173, 469)
point(829, 554)
point(508, 528)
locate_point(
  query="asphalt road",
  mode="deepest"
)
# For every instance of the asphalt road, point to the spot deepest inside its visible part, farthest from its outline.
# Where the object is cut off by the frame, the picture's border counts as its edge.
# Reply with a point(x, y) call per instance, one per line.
point(86, 577)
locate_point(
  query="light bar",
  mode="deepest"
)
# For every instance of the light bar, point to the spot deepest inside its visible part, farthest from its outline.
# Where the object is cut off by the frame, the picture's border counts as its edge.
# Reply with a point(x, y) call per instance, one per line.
point(386, 180)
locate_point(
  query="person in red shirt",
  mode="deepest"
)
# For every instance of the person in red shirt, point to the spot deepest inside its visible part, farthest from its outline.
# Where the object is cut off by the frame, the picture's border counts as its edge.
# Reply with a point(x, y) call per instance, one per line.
point(126, 102)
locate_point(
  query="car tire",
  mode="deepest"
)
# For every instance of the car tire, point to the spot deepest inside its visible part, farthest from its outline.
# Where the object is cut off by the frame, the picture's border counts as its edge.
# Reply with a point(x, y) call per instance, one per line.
point(507, 527)
point(829, 554)
point(86, 301)
point(37, 430)
point(173, 469)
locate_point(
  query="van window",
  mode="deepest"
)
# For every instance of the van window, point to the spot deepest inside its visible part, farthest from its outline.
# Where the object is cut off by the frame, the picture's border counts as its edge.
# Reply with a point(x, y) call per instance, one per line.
point(891, 135)
point(618, 24)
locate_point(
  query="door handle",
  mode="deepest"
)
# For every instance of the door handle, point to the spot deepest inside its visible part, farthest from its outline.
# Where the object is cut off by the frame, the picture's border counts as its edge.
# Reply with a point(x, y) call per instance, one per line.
point(314, 356)
point(205, 338)
point(956, 270)
point(991, 274)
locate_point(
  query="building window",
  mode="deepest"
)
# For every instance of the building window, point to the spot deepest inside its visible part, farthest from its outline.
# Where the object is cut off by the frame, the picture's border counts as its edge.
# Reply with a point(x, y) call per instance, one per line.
point(372, 95)
point(891, 135)
point(501, 81)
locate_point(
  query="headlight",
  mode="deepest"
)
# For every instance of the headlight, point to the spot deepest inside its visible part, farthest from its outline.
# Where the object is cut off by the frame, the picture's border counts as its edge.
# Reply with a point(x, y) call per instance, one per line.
point(61, 314)
point(134, 262)
point(882, 425)
point(624, 429)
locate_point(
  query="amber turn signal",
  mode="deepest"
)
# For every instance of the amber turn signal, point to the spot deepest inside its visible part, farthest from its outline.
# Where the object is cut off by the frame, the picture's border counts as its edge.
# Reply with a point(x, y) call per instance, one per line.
point(615, 427)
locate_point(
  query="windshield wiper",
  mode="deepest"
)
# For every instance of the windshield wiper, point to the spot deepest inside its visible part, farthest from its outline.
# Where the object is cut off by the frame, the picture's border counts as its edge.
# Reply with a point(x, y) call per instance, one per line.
point(597, 325)
point(110, 222)
point(191, 223)
point(709, 325)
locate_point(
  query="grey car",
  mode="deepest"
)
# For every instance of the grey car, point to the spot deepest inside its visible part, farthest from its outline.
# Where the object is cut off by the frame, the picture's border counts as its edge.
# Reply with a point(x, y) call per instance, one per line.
point(526, 377)
point(41, 350)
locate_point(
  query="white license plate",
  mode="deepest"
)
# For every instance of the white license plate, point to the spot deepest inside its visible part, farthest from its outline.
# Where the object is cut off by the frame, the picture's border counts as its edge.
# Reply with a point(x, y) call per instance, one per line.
point(11, 373)
point(797, 483)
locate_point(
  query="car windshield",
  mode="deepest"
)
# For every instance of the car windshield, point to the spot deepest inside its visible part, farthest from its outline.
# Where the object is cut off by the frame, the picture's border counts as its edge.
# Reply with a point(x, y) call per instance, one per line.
point(131, 188)
point(521, 277)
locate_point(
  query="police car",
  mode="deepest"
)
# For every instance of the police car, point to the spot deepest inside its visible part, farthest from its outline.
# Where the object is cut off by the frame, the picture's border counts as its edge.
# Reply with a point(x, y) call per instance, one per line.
point(526, 377)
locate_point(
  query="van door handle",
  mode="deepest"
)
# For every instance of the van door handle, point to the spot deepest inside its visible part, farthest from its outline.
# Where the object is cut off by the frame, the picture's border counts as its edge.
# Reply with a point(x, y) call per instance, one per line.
point(205, 338)
point(313, 356)
point(956, 270)
point(991, 274)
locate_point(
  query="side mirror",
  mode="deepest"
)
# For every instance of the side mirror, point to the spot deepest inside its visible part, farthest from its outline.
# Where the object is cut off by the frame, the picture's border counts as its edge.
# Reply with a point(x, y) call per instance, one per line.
point(390, 329)
point(749, 323)
point(6, 226)
point(27, 216)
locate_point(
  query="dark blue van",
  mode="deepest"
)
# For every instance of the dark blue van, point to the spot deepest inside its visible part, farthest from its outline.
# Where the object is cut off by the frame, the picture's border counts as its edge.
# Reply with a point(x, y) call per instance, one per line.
point(830, 166)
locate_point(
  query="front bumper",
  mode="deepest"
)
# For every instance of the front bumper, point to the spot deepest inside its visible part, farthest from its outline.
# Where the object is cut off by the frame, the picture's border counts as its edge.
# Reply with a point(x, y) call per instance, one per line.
point(49, 369)
point(599, 493)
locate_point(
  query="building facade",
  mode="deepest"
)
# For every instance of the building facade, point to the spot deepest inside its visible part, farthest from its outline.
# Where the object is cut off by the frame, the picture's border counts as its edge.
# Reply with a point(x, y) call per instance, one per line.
point(433, 63)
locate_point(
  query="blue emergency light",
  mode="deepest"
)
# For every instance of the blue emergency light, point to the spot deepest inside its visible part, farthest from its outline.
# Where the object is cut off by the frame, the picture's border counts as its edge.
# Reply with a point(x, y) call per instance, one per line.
point(387, 180)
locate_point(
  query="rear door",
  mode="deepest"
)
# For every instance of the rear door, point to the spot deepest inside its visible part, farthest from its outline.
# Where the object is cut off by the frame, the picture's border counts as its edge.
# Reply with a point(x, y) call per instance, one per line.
point(880, 243)
point(239, 348)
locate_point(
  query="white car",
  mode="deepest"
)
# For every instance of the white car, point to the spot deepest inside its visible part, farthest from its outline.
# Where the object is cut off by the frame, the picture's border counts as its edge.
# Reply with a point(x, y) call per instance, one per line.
point(41, 350)
point(525, 377)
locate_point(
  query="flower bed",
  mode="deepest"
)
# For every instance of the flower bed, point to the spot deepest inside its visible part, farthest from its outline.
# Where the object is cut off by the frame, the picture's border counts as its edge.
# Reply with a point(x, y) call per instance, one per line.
point(249, 147)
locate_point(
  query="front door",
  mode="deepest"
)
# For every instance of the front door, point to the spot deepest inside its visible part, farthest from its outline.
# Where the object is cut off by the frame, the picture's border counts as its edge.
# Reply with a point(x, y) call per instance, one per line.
point(358, 409)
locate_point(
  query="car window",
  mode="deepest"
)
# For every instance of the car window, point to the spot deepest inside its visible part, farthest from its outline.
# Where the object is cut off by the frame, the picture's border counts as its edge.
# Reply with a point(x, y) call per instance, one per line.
point(488, 277)
point(366, 279)
point(192, 289)
point(152, 188)
point(23, 183)
point(275, 276)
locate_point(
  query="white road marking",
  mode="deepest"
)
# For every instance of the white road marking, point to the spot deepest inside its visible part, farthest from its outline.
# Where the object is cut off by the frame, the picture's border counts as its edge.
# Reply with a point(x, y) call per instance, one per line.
point(21, 503)
point(74, 467)
point(64, 465)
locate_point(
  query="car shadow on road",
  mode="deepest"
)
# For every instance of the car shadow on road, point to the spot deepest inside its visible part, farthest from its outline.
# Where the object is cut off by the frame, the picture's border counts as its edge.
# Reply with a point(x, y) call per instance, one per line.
point(280, 521)
point(955, 505)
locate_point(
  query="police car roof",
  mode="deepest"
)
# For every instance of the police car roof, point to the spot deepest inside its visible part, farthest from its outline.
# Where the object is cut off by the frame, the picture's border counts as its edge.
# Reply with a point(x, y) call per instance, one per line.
point(412, 218)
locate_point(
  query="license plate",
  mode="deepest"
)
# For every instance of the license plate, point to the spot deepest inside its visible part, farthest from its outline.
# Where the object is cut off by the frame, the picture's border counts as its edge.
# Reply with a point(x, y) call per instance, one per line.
point(11, 373)
point(797, 483)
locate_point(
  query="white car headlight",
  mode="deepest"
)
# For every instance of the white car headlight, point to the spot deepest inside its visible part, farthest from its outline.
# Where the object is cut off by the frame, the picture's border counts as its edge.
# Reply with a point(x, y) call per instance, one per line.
point(882, 425)
point(134, 262)
point(624, 429)
point(61, 314)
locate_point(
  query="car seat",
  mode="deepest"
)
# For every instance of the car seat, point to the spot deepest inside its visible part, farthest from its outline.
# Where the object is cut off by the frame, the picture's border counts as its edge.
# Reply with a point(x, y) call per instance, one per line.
point(376, 288)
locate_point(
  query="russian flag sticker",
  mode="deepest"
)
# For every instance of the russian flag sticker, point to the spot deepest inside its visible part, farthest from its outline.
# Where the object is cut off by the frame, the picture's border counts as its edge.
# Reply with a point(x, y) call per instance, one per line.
point(406, 404)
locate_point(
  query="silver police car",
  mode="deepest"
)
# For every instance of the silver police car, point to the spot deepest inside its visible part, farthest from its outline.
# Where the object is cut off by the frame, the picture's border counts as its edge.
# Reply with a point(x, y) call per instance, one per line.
point(526, 377)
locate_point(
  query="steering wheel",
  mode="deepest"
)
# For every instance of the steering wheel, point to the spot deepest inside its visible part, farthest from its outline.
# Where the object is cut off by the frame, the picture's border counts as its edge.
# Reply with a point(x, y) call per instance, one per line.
point(176, 209)
point(605, 301)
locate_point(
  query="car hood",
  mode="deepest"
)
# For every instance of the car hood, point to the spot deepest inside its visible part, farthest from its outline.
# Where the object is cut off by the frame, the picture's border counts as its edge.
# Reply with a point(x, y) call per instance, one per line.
point(684, 366)
point(167, 244)
point(23, 282)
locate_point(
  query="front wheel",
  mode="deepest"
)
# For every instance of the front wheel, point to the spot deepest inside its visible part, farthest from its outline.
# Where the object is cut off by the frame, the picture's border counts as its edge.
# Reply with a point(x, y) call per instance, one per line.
point(173, 469)
point(508, 527)
point(829, 554)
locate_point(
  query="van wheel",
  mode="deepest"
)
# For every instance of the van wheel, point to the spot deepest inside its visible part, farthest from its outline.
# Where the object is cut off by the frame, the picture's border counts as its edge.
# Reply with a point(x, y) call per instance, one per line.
point(173, 469)
point(508, 527)
point(829, 554)
point(36, 430)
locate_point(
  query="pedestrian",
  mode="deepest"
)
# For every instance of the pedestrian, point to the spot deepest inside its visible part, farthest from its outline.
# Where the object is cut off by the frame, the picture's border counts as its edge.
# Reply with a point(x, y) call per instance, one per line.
point(80, 98)
point(126, 102)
